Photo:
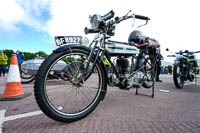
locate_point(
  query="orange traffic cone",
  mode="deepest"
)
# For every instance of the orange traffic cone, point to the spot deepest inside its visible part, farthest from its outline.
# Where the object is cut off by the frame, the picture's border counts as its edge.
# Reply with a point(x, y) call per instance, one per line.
point(13, 90)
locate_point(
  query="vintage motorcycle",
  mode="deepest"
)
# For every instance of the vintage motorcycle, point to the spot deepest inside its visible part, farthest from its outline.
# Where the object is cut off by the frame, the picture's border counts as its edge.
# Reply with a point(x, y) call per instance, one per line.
point(129, 66)
point(185, 67)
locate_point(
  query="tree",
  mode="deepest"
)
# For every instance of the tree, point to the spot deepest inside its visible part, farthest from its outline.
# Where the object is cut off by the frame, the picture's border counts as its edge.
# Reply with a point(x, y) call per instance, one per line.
point(42, 54)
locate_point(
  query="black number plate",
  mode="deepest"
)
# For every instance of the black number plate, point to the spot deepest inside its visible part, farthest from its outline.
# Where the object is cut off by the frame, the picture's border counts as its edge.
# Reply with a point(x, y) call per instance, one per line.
point(62, 40)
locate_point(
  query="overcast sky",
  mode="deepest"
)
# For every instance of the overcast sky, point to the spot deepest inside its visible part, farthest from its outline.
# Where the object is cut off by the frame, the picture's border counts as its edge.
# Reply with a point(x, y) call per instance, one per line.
point(30, 25)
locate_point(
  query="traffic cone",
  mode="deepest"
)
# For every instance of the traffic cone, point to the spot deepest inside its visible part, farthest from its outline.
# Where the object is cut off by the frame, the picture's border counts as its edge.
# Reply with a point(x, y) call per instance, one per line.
point(13, 90)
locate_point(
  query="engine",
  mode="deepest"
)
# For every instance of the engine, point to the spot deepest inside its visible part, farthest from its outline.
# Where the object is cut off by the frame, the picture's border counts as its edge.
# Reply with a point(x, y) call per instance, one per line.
point(123, 64)
point(124, 70)
point(137, 79)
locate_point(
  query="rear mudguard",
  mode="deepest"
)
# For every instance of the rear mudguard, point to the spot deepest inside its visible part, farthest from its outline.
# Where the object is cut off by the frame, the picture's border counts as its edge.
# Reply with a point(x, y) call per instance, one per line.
point(78, 46)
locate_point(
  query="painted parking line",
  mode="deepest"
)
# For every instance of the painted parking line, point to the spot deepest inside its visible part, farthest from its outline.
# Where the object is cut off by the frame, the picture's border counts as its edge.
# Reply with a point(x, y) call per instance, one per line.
point(2, 114)
point(167, 91)
point(190, 83)
point(14, 117)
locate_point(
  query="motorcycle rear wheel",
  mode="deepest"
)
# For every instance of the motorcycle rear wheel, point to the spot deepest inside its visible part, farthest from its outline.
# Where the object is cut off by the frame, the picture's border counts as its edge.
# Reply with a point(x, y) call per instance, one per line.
point(68, 100)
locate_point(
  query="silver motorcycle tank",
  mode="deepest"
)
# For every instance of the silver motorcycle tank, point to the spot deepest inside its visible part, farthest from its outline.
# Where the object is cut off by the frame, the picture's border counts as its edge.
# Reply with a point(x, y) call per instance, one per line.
point(121, 49)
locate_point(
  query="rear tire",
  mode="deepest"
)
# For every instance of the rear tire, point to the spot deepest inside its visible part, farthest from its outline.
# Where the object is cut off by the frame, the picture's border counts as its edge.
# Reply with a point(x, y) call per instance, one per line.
point(52, 107)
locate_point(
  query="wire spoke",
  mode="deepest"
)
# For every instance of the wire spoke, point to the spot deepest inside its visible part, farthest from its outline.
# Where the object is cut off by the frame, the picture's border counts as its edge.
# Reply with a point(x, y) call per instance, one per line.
point(69, 97)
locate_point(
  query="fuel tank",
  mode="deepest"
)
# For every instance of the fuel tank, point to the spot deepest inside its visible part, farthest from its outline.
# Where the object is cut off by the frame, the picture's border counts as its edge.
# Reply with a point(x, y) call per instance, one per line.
point(121, 49)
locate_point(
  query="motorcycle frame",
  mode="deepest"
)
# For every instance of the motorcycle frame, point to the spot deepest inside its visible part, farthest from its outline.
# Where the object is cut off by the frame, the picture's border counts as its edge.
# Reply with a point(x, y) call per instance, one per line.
point(100, 52)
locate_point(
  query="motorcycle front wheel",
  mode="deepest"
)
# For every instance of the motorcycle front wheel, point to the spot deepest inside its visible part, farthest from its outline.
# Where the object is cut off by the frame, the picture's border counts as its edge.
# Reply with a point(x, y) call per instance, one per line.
point(178, 77)
point(73, 99)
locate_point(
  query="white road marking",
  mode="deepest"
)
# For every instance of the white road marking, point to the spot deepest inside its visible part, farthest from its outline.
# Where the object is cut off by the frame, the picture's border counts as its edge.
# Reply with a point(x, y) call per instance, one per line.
point(190, 83)
point(164, 90)
point(14, 117)
point(2, 115)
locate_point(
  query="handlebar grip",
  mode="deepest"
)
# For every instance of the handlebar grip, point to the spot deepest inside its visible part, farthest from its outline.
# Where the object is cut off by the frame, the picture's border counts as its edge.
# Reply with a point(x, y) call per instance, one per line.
point(108, 15)
point(197, 52)
point(142, 17)
point(88, 31)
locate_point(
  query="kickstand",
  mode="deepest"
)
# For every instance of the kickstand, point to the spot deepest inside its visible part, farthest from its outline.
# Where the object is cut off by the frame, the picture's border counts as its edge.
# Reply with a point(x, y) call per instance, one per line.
point(152, 94)
point(152, 88)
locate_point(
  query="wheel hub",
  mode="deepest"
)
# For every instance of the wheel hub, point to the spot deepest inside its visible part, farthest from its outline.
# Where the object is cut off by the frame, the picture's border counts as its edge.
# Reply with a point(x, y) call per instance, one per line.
point(77, 81)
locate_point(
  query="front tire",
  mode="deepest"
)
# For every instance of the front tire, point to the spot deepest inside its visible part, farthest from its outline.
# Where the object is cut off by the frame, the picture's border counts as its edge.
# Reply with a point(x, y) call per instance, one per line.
point(68, 101)
point(178, 77)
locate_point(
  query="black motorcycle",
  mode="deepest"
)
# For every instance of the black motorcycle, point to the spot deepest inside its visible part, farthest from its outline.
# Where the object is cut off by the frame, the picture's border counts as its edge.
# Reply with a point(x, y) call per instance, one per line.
point(88, 76)
point(185, 67)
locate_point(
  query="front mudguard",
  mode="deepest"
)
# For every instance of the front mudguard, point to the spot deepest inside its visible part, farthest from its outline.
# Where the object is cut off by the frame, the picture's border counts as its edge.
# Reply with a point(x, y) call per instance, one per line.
point(78, 46)
point(68, 47)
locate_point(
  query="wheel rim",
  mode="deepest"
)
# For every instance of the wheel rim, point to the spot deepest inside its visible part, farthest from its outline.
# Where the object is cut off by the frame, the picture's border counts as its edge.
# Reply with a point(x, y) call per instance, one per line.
point(70, 98)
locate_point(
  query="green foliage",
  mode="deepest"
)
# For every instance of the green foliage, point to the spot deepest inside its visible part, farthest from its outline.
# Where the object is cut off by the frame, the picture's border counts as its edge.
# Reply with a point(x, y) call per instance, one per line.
point(28, 56)
point(79, 59)
point(68, 59)
point(42, 54)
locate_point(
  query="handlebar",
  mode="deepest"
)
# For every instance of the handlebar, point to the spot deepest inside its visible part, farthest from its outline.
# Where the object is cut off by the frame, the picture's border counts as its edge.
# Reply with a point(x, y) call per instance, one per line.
point(108, 15)
point(180, 52)
point(87, 30)
point(171, 55)
point(111, 15)
point(196, 52)
point(187, 52)
point(142, 17)
point(118, 20)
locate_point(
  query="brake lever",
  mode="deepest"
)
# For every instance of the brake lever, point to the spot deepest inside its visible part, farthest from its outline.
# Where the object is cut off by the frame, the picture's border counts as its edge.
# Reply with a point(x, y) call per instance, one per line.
point(143, 24)
point(127, 13)
point(133, 15)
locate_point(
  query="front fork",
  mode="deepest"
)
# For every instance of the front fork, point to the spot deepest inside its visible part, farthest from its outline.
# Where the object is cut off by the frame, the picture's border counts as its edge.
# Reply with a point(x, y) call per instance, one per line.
point(98, 55)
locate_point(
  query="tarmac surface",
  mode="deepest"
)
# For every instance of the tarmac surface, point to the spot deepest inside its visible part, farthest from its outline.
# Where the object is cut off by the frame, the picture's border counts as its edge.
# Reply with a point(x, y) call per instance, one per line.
point(170, 111)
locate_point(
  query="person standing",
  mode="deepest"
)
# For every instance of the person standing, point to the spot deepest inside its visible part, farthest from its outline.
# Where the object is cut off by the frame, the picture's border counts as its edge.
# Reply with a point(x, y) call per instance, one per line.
point(3, 63)
point(158, 65)
point(20, 57)
point(37, 56)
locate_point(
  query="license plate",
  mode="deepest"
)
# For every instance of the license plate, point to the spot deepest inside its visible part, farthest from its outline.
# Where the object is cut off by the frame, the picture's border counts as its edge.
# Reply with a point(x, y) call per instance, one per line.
point(62, 40)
